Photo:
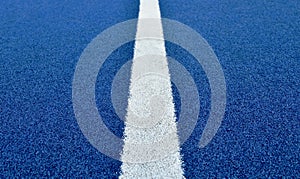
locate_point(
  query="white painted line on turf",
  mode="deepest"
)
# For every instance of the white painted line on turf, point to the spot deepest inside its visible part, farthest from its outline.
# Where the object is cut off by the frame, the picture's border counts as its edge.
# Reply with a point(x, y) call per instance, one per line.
point(150, 112)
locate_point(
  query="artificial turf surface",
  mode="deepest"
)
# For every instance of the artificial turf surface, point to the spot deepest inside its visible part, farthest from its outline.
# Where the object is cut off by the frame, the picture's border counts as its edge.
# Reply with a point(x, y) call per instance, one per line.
point(257, 44)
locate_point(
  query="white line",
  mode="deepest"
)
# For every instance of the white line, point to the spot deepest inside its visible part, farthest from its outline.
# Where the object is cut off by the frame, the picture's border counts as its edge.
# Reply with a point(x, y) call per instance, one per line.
point(150, 113)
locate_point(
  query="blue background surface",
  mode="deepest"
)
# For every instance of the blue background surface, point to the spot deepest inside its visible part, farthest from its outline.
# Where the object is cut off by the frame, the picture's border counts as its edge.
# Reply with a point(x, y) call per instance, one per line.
point(40, 44)
point(258, 46)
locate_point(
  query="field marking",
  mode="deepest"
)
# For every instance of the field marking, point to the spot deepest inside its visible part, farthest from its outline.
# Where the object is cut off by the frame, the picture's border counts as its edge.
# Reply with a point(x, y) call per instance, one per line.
point(150, 112)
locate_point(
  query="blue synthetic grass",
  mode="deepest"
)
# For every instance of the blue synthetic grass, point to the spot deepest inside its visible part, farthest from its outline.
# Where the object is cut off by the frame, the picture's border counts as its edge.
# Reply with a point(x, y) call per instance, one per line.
point(40, 44)
point(258, 46)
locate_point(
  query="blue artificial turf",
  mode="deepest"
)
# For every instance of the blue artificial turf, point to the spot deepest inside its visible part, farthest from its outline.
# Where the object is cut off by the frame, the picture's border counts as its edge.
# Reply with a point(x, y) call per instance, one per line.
point(40, 44)
point(258, 46)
